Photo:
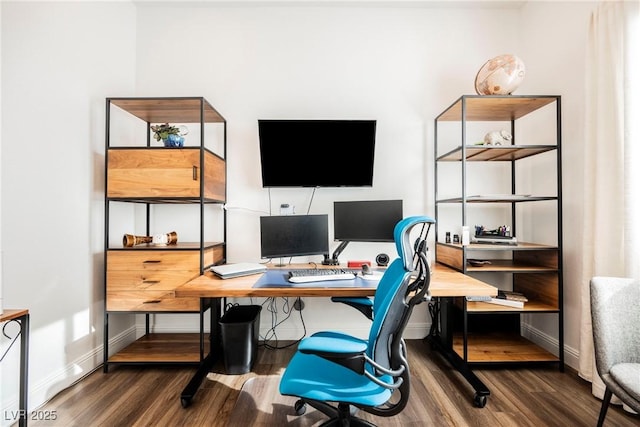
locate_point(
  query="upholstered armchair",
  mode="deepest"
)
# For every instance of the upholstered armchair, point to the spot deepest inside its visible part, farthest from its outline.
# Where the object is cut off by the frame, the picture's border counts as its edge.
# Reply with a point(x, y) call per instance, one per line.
point(615, 314)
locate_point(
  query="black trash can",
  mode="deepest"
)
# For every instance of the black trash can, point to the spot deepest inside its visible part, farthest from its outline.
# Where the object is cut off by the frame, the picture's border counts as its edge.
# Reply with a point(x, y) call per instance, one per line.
point(240, 329)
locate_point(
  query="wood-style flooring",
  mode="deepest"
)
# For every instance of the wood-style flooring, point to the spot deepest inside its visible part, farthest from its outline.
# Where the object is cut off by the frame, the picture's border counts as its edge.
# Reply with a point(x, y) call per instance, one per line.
point(150, 396)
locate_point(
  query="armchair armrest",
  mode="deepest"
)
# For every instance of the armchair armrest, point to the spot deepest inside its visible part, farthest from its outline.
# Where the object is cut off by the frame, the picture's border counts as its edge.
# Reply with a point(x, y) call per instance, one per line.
point(363, 304)
point(342, 350)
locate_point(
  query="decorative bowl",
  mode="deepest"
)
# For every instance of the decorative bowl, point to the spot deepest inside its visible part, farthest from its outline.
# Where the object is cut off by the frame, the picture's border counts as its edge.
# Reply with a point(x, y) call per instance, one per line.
point(500, 75)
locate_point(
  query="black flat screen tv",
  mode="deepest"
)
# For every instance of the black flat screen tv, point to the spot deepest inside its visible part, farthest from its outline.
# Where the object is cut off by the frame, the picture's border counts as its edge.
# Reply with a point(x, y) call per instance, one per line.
point(366, 221)
point(293, 235)
point(317, 153)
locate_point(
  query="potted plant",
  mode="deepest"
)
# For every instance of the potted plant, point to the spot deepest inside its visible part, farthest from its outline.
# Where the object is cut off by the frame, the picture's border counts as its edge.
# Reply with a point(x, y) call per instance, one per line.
point(171, 136)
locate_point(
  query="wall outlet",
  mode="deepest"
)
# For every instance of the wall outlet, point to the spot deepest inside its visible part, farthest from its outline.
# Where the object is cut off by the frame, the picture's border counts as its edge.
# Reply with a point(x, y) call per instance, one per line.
point(287, 209)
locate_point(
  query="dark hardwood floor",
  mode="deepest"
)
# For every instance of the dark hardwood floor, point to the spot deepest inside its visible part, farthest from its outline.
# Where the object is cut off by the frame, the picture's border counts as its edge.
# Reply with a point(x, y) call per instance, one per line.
point(150, 396)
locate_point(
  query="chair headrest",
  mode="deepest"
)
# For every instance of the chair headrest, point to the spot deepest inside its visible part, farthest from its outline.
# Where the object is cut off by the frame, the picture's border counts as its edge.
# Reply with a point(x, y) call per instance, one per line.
point(401, 234)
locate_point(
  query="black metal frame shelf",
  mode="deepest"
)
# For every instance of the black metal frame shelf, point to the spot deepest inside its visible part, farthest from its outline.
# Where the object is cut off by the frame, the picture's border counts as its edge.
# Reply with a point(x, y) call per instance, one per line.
point(531, 266)
point(184, 110)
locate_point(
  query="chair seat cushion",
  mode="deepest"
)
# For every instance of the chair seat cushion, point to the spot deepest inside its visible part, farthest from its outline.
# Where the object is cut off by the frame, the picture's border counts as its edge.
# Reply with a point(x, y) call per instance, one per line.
point(628, 376)
point(312, 377)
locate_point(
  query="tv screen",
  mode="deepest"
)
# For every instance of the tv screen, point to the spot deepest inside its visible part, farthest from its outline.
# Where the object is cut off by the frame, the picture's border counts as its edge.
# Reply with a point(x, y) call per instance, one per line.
point(294, 235)
point(317, 153)
point(366, 221)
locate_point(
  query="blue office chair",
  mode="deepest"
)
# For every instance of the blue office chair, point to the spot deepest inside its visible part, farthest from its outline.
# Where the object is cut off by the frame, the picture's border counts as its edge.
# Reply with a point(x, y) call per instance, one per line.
point(335, 372)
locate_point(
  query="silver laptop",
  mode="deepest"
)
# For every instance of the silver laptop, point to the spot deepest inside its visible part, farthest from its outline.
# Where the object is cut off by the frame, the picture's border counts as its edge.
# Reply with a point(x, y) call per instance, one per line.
point(227, 271)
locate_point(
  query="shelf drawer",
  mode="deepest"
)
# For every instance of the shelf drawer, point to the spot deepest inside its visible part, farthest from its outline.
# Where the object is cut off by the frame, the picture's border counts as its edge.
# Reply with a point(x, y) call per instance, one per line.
point(149, 280)
point(149, 301)
point(164, 173)
point(154, 260)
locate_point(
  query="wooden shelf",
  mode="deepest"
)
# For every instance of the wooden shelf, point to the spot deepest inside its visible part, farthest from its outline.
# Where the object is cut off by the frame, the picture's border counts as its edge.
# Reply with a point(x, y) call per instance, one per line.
point(521, 246)
point(524, 257)
point(493, 108)
point(164, 110)
point(508, 266)
point(501, 153)
point(529, 306)
point(501, 348)
point(162, 348)
point(187, 246)
point(497, 199)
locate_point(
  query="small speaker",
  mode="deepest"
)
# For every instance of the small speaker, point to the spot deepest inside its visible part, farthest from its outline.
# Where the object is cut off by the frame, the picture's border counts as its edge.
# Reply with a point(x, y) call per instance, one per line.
point(382, 260)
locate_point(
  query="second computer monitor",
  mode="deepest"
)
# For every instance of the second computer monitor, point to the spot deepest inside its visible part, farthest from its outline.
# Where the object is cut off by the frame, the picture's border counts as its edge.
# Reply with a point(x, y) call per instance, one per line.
point(366, 221)
point(293, 235)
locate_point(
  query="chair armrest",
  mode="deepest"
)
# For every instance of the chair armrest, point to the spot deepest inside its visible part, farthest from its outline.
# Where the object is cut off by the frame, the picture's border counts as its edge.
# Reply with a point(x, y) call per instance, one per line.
point(363, 304)
point(344, 350)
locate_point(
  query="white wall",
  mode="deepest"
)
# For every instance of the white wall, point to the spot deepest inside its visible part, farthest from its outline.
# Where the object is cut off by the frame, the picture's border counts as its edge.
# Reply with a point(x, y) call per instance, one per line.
point(56, 74)
point(400, 65)
point(559, 68)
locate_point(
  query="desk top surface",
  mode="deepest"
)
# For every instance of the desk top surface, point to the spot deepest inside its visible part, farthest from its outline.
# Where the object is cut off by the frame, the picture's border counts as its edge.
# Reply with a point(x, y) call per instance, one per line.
point(7, 315)
point(445, 282)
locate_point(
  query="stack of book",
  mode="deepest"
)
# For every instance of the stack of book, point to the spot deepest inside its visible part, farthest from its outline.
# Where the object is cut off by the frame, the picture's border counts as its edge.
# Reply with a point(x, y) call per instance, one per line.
point(509, 299)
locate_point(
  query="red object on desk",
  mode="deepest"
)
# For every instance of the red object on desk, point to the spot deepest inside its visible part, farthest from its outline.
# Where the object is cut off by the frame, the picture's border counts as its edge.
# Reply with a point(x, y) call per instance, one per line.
point(357, 264)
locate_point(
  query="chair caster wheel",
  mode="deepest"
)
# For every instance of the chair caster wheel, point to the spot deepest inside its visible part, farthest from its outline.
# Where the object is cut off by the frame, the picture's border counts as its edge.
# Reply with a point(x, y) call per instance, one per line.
point(300, 407)
point(480, 400)
point(185, 401)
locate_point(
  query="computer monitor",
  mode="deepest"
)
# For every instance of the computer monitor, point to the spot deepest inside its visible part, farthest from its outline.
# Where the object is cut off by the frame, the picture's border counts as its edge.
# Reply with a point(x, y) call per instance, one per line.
point(363, 221)
point(293, 235)
point(366, 221)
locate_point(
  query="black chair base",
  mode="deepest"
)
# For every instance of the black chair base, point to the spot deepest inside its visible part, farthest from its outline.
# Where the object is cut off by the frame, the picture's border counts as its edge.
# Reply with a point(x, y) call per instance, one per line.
point(342, 415)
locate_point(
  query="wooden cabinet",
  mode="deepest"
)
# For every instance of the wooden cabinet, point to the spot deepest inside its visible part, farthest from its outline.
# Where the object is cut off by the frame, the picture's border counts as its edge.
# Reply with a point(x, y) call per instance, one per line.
point(162, 173)
point(144, 175)
point(518, 183)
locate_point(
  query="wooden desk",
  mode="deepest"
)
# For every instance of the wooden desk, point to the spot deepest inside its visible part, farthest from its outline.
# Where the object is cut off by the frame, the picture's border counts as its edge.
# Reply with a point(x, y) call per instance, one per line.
point(446, 283)
point(22, 317)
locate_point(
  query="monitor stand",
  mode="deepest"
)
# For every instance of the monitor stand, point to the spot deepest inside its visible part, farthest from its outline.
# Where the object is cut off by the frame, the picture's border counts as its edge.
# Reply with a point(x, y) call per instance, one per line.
point(334, 258)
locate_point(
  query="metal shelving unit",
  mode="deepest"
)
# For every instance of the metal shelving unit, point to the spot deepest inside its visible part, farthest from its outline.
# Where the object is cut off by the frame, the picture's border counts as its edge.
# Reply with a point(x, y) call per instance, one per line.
point(483, 333)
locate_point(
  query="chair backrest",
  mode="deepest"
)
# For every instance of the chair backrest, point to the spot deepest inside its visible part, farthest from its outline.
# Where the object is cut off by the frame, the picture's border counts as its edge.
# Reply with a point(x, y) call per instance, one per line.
point(615, 315)
point(404, 284)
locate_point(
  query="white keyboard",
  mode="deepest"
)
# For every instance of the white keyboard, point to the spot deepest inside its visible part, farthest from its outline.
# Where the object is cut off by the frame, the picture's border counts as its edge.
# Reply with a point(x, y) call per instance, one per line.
point(319, 275)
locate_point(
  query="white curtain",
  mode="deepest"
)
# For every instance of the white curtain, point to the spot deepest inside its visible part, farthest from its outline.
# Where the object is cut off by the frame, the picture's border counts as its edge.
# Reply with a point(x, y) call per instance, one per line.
point(612, 159)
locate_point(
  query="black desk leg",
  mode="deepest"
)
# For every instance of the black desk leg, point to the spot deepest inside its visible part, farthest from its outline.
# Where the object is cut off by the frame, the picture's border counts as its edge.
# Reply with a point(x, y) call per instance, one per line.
point(24, 369)
point(207, 363)
point(441, 338)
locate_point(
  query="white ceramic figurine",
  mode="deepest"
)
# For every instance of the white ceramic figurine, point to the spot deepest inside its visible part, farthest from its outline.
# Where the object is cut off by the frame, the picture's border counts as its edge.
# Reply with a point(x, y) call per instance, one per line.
point(502, 137)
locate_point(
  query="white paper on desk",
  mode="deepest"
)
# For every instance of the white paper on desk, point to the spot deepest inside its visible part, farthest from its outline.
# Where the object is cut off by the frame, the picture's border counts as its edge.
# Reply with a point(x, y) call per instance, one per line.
point(371, 276)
